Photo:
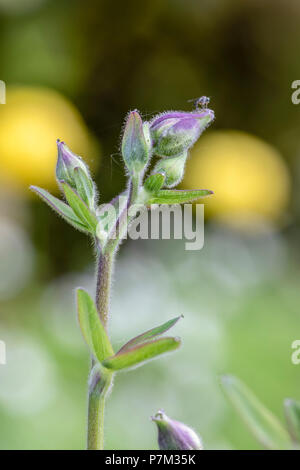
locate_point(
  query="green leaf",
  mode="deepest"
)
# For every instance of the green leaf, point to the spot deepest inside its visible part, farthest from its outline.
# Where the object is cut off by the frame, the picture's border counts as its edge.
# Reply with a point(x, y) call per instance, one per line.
point(154, 182)
point(141, 353)
point(84, 186)
point(261, 422)
point(292, 414)
point(92, 329)
point(65, 211)
point(80, 208)
point(174, 196)
point(150, 334)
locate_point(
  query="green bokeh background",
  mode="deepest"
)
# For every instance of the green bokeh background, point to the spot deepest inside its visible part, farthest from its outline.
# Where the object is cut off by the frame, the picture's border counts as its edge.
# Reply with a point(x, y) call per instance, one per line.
point(239, 294)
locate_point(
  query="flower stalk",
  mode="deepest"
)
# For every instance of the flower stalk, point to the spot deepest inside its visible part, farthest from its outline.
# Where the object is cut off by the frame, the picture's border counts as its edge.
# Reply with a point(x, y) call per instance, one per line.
point(168, 136)
point(99, 385)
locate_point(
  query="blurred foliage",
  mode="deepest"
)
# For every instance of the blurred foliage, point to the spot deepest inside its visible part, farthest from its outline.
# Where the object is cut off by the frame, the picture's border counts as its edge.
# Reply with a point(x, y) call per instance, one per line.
point(85, 64)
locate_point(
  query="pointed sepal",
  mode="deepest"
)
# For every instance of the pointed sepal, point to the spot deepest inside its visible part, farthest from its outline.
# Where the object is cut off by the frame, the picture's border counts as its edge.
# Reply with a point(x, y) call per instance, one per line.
point(154, 182)
point(82, 211)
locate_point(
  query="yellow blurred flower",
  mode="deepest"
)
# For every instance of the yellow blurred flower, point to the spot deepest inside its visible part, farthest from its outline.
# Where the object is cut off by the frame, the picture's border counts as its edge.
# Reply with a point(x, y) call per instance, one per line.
point(30, 122)
point(248, 176)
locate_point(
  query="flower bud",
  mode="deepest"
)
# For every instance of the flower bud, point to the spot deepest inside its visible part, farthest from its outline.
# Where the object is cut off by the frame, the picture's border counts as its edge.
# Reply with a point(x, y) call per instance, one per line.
point(175, 132)
point(173, 435)
point(136, 143)
point(67, 161)
point(71, 169)
point(172, 168)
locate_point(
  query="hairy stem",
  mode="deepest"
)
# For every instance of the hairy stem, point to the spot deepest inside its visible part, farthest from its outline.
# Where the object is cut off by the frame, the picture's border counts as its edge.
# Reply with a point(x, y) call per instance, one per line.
point(124, 219)
point(104, 274)
point(100, 381)
point(98, 388)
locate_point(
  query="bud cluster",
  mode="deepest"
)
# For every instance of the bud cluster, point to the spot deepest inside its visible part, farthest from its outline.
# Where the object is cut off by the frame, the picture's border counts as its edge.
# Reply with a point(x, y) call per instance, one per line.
point(169, 136)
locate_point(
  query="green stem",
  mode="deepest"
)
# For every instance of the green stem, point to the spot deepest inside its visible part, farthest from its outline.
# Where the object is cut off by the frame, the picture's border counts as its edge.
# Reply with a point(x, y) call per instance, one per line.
point(134, 185)
point(124, 219)
point(99, 385)
point(100, 379)
point(104, 274)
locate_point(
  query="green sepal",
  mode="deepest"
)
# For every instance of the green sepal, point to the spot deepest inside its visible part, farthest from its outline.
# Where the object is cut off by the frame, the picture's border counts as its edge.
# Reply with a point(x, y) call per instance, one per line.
point(61, 208)
point(262, 423)
point(91, 327)
point(149, 334)
point(154, 182)
point(173, 167)
point(140, 354)
point(84, 187)
point(79, 207)
point(176, 196)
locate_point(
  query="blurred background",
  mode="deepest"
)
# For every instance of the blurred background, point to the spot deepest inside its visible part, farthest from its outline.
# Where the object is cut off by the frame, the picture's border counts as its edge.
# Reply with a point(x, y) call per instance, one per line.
point(72, 71)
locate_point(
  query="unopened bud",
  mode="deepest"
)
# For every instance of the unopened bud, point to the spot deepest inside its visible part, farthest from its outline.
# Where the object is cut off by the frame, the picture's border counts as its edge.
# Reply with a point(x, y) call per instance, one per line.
point(172, 168)
point(136, 143)
point(71, 169)
point(173, 435)
point(175, 132)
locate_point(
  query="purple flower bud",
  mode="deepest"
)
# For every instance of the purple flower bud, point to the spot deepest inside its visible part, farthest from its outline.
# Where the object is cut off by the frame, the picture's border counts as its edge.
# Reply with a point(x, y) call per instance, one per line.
point(72, 170)
point(174, 132)
point(136, 143)
point(173, 435)
point(67, 161)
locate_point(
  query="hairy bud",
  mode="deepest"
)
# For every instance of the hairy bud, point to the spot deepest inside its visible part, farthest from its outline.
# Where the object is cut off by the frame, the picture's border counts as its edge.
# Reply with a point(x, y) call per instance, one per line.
point(173, 435)
point(175, 132)
point(136, 143)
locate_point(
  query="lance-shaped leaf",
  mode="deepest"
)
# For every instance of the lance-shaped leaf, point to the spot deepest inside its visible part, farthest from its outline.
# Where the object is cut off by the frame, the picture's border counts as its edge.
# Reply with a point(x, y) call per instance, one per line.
point(154, 182)
point(173, 196)
point(65, 211)
point(92, 329)
point(261, 422)
point(79, 207)
point(292, 414)
point(150, 334)
point(141, 353)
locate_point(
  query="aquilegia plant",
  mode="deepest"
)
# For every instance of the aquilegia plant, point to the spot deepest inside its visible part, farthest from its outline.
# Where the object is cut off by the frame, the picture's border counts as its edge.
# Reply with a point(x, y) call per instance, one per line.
point(168, 136)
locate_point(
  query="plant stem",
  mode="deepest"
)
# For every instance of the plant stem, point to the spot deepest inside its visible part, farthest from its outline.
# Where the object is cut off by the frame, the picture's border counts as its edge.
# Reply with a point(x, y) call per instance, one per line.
point(101, 380)
point(104, 274)
point(98, 387)
point(124, 219)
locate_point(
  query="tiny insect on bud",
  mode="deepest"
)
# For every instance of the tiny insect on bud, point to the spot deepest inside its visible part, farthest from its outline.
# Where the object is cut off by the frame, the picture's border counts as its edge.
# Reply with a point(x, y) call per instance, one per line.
point(175, 132)
point(136, 143)
point(173, 435)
